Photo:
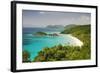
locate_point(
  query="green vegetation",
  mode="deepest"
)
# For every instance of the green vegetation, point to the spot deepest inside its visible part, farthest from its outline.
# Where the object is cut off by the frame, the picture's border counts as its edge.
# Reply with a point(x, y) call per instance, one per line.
point(26, 56)
point(44, 34)
point(61, 53)
point(40, 33)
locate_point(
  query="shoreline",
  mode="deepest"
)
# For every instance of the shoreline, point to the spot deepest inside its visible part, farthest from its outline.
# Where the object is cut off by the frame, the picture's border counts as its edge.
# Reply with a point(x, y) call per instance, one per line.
point(76, 41)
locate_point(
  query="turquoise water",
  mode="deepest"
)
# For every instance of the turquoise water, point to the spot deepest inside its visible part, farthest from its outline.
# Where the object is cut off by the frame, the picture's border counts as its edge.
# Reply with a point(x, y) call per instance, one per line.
point(34, 44)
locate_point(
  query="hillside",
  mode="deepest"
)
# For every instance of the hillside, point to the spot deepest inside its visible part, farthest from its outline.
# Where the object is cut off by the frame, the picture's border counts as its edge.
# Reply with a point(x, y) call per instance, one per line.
point(80, 31)
point(69, 26)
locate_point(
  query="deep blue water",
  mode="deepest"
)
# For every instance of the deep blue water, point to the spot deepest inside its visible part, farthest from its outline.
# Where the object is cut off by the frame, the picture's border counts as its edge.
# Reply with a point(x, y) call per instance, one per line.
point(34, 44)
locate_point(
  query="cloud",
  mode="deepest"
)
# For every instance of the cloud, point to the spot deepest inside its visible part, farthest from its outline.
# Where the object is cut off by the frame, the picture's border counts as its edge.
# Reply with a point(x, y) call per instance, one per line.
point(33, 18)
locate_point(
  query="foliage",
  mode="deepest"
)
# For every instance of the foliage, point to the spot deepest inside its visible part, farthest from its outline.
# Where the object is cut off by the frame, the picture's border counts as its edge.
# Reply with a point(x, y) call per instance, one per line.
point(40, 33)
point(26, 56)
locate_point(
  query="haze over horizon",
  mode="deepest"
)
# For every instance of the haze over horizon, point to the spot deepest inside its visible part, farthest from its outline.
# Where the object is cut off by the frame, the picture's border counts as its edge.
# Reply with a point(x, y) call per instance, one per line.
point(32, 18)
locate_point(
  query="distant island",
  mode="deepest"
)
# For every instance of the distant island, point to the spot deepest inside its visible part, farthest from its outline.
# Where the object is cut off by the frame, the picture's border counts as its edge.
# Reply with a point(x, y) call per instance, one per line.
point(40, 33)
point(45, 34)
point(55, 26)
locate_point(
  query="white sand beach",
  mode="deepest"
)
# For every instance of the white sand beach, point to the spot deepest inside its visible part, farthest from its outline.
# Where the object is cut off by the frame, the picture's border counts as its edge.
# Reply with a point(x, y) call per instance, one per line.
point(75, 41)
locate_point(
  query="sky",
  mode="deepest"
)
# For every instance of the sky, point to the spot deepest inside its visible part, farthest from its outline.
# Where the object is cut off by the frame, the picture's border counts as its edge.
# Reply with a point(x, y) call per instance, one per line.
point(32, 18)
